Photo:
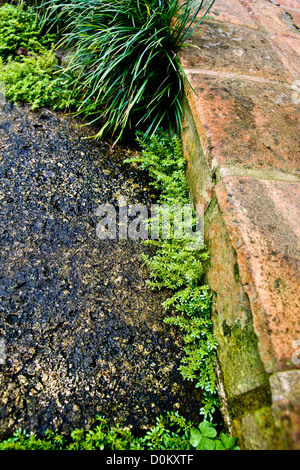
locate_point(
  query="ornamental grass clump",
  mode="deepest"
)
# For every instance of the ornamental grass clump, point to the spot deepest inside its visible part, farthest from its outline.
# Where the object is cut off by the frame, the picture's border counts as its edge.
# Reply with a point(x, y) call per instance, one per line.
point(124, 58)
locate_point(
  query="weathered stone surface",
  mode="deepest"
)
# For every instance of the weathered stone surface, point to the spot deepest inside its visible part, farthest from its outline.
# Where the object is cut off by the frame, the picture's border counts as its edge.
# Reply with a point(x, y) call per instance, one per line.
point(257, 430)
point(232, 12)
point(285, 387)
point(200, 177)
point(261, 217)
point(279, 26)
point(295, 16)
point(238, 355)
point(251, 125)
point(233, 49)
point(290, 48)
point(271, 18)
point(255, 309)
point(241, 142)
point(289, 3)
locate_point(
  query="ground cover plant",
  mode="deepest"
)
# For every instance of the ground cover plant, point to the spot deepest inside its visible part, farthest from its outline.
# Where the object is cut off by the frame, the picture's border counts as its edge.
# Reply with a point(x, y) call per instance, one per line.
point(20, 28)
point(178, 268)
point(34, 80)
point(170, 432)
point(28, 65)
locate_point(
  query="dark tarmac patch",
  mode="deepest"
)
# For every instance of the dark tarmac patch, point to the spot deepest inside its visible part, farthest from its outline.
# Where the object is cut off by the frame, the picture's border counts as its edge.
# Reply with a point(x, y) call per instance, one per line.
point(83, 334)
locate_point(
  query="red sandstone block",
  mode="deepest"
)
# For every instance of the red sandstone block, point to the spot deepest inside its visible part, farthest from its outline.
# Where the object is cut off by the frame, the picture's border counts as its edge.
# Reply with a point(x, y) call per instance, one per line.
point(262, 220)
point(295, 16)
point(290, 48)
point(285, 387)
point(253, 126)
point(232, 11)
point(233, 49)
point(289, 3)
point(271, 18)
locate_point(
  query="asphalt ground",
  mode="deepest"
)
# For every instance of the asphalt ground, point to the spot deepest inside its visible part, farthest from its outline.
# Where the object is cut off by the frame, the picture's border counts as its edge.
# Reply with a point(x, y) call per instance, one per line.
point(83, 334)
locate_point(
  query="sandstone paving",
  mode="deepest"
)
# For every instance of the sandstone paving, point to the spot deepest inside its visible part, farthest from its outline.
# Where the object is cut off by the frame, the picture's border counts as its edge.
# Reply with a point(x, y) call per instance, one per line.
point(249, 124)
point(262, 217)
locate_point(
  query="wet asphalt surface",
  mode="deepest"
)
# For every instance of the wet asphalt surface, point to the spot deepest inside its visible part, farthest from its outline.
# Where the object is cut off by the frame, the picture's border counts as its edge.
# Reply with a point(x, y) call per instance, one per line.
point(83, 334)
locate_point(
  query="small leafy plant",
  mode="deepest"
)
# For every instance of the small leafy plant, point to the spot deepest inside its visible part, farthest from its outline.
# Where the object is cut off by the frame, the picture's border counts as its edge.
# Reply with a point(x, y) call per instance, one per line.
point(19, 28)
point(28, 69)
point(174, 266)
point(170, 432)
point(205, 438)
point(35, 80)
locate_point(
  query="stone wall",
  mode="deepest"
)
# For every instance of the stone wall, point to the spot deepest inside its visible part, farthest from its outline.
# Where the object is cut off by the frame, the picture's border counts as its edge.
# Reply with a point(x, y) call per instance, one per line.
point(241, 142)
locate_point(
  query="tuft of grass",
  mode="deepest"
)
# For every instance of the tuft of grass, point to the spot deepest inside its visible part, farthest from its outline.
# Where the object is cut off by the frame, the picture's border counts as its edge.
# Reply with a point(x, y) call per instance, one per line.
point(125, 58)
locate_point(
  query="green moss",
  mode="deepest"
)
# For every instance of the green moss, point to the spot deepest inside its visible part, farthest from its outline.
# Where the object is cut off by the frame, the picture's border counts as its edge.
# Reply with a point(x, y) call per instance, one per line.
point(244, 338)
point(251, 401)
point(263, 417)
point(238, 352)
